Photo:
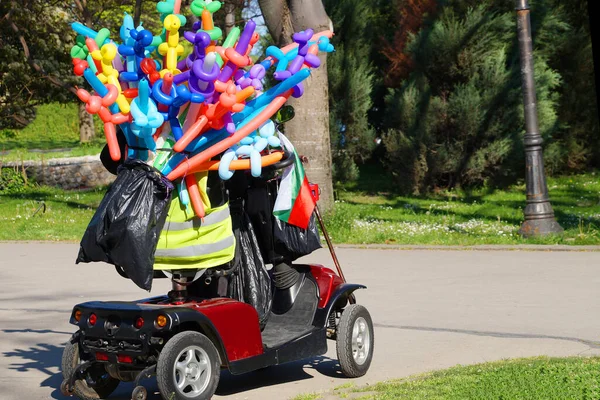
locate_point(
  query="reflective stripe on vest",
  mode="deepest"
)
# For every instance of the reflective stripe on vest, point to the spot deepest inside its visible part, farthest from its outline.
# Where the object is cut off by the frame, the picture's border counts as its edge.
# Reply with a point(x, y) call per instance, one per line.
point(194, 250)
point(214, 217)
point(189, 242)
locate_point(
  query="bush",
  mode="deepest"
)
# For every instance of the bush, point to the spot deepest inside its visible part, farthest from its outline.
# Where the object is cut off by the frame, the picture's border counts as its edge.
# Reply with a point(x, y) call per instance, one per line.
point(12, 181)
point(458, 121)
point(344, 167)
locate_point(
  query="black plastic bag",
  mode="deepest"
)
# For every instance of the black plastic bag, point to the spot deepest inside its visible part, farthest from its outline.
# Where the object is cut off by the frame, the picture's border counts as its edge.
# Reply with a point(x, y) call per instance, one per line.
point(293, 242)
point(250, 282)
point(125, 228)
point(259, 206)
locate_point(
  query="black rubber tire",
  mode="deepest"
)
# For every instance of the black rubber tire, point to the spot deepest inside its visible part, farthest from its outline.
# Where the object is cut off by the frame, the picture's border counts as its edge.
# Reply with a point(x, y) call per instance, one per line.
point(349, 366)
point(70, 360)
point(167, 359)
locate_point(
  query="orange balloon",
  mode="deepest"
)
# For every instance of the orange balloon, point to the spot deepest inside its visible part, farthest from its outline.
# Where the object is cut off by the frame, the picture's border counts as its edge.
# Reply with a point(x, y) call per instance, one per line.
point(223, 145)
point(194, 193)
point(191, 134)
point(237, 165)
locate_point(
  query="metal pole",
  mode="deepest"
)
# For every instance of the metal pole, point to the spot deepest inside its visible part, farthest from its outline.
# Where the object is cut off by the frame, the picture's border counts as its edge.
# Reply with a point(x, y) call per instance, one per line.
point(539, 216)
point(336, 262)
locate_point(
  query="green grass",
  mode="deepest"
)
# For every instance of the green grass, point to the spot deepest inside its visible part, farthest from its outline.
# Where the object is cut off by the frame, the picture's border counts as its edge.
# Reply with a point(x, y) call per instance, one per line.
point(66, 216)
point(309, 396)
point(361, 216)
point(368, 212)
point(532, 378)
point(56, 127)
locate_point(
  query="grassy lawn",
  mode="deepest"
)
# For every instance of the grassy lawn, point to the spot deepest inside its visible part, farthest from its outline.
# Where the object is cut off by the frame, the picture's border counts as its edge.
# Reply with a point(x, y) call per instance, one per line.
point(54, 133)
point(369, 212)
point(362, 216)
point(530, 378)
point(66, 216)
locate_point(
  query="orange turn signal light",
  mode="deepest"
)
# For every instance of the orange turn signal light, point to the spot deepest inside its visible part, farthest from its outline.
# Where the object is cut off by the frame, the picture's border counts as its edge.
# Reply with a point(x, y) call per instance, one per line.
point(77, 315)
point(161, 321)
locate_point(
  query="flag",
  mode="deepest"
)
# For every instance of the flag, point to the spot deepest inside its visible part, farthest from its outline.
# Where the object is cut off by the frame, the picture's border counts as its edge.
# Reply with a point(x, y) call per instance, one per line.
point(294, 203)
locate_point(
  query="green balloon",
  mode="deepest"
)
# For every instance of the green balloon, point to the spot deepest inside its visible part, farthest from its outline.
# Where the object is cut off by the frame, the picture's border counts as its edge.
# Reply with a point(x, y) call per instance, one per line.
point(232, 38)
point(80, 50)
point(215, 34)
point(103, 35)
point(198, 6)
point(165, 7)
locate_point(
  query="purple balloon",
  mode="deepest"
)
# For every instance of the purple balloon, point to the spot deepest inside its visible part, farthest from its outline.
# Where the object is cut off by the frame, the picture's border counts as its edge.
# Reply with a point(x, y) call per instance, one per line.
point(282, 75)
point(245, 37)
point(229, 125)
point(303, 36)
point(298, 90)
point(257, 71)
point(312, 60)
point(296, 64)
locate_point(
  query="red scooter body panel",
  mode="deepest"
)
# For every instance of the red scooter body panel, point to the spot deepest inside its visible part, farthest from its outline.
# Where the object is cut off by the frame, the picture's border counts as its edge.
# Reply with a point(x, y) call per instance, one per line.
point(327, 281)
point(236, 323)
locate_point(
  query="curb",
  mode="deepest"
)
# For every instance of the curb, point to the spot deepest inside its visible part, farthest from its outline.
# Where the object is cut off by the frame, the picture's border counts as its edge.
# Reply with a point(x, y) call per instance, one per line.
point(400, 247)
point(519, 247)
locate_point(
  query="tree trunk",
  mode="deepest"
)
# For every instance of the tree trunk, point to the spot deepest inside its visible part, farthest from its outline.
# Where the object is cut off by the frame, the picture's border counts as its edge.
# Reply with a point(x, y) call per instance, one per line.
point(137, 12)
point(309, 130)
point(229, 17)
point(86, 125)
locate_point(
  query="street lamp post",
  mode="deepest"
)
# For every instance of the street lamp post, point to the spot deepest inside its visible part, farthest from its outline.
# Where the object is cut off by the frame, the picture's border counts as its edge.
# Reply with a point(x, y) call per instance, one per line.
point(539, 216)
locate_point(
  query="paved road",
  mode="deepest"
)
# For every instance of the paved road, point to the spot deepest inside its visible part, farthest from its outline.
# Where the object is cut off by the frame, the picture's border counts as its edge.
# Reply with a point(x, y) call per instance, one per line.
point(432, 309)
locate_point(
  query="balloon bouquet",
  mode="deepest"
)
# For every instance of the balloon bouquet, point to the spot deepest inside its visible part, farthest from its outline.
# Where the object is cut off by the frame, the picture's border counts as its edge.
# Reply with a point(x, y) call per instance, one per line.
point(179, 112)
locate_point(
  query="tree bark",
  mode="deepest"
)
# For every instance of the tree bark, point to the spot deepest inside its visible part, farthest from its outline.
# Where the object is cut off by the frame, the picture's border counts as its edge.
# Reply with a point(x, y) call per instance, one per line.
point(309, 130)
point(86, 125)
point(137, 12)
point(229, 17)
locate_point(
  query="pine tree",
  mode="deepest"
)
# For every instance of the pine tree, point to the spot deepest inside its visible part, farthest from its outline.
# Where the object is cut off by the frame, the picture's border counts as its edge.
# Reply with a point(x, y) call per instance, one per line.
point(576, 146)
point(411, 15)
point(351, 79)
point(458, 119)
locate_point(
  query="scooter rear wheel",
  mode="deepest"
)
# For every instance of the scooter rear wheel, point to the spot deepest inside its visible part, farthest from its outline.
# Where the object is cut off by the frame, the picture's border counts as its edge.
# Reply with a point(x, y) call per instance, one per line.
point(188, 367)
point(355, 341)
point(105, 383)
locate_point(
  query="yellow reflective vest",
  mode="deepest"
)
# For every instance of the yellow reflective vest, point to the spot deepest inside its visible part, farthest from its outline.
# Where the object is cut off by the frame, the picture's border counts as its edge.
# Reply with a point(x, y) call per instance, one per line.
point(188, 242)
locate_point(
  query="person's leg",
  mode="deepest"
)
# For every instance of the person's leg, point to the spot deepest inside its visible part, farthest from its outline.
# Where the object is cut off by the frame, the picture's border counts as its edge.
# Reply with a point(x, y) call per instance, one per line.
point(285, 275)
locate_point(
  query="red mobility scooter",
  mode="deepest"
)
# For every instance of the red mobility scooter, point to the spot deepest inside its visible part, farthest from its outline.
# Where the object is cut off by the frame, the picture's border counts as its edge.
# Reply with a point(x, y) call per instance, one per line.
point(185, 341)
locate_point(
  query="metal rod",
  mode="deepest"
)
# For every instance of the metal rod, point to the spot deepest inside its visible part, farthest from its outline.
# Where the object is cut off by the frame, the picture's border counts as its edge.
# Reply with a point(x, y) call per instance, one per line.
point(539, 215)
point(351, 298)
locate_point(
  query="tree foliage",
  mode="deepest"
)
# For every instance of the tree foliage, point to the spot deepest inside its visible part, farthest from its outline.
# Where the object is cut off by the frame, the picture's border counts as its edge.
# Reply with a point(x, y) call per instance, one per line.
point(411, 15)
point(458, 119)
point(577, 146)
point(34, 49)
point(35, 43)
point(351, 80)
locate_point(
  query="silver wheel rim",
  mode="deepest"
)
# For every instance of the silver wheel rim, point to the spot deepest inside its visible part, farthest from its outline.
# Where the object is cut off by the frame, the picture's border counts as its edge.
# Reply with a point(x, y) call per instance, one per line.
point(361, 341)
point(191, 371)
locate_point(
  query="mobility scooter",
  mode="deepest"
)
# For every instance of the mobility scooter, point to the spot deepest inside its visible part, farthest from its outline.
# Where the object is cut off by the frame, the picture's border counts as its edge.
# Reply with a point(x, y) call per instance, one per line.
point(185, 341)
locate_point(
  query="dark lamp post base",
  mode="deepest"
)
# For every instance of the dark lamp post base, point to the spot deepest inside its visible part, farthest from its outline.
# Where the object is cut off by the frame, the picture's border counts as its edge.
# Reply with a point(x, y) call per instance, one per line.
point(540, 227)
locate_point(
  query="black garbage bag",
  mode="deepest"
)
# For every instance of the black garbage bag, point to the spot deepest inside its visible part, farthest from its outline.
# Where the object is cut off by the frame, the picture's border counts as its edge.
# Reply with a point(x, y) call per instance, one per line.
point(293, 242)
point(250, 282)
point(259, 206)
point(124, 230)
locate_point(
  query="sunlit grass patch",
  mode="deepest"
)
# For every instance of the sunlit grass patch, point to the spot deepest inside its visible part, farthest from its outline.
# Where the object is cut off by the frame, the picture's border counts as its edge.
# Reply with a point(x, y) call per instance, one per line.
point(460, 218)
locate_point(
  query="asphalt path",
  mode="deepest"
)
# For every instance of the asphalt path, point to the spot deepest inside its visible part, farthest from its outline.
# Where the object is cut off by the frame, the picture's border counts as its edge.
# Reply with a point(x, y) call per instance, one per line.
point(431, 309)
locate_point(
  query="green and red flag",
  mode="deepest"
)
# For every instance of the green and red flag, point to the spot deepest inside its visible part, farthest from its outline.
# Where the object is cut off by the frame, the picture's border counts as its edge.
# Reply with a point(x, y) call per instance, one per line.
point(295, 203)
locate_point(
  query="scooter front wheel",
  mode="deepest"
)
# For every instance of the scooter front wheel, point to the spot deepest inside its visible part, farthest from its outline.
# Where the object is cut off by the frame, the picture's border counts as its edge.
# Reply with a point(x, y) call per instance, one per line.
point(355, 341)
point(105, 384)
point(188, 367)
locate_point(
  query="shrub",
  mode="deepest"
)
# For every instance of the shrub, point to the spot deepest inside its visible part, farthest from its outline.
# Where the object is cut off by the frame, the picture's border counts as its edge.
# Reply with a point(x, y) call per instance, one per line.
point(12, 181)
point(458, 120)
